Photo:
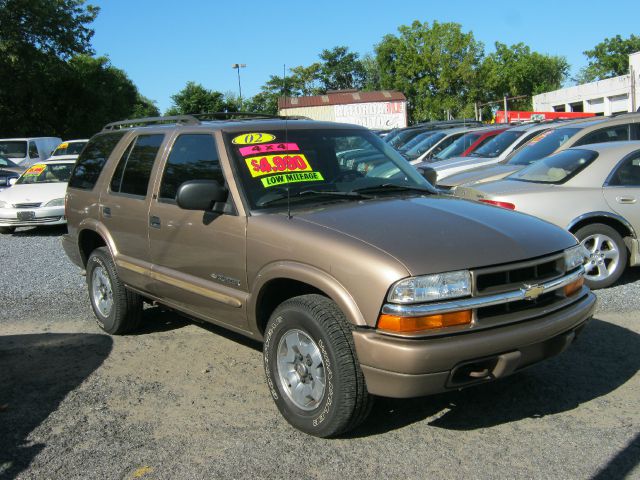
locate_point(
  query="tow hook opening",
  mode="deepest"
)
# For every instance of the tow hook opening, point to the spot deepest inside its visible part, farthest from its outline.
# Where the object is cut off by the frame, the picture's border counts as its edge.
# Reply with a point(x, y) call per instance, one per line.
point(485, 369)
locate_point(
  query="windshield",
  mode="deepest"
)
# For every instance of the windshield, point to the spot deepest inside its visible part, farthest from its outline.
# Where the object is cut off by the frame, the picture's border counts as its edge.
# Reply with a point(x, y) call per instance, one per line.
point(403, 137)
point(304, 166)
point(497, 144)
point(47, 173)
point(69, 148)
point(5, 162)
point(424, 146)
point(414, 141)
point(14, 149)
point(542, 145)
point(458, 147)
point(556, 168)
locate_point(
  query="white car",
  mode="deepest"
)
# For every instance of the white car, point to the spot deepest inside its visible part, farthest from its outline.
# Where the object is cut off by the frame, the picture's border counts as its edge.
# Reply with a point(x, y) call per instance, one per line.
point(69, 149)
point(37, 198)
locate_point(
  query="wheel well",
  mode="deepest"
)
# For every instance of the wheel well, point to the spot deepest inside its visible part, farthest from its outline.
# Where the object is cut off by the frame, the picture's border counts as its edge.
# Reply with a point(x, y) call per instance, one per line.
point(88, 241)
point(618, 226)
point(274, 293)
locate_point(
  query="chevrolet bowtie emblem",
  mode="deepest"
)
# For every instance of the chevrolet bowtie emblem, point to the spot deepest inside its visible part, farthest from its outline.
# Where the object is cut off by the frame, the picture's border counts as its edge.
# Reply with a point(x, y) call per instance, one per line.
point(531, 292)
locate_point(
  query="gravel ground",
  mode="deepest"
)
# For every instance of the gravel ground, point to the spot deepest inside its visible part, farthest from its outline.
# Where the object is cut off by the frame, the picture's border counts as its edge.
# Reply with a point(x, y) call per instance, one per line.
point(183, 400)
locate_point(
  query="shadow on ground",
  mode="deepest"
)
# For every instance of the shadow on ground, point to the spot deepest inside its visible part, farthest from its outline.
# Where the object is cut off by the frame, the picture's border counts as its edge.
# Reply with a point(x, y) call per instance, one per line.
point(36, 373)
point(161, 319)
point(45, 231)
point(602, 359)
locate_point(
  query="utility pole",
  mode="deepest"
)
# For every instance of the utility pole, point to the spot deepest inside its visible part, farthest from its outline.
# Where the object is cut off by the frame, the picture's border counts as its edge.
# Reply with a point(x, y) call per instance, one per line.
point(238, 66)
point(506, 113)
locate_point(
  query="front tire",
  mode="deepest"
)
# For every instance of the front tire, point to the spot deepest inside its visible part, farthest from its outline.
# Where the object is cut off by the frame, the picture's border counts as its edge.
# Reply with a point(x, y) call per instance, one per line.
point(608, 255)
point(117, 309)
point(311, 367)
point(7, 230)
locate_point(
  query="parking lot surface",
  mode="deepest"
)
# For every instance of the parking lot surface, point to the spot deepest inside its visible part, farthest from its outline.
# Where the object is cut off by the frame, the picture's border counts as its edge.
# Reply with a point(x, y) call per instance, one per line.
point(185, 400)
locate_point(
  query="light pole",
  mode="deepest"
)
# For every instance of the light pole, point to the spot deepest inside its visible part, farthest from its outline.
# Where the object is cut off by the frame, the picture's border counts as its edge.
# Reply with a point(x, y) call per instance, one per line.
point(238, 66)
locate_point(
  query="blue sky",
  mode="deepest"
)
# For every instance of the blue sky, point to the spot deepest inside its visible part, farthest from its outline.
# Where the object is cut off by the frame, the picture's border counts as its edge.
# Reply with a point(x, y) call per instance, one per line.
point(163, 44)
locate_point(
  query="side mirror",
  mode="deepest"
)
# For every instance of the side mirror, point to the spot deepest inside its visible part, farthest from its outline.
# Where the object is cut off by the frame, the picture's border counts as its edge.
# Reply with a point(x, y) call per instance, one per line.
point(200, 194)
point(429, 174)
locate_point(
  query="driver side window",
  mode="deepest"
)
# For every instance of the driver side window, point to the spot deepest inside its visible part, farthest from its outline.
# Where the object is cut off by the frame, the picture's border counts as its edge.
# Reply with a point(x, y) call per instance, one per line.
point(627, 174)
point(192, 157)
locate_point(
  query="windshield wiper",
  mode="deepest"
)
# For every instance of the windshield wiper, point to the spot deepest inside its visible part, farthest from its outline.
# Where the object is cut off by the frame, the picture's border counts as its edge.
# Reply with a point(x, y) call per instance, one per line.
point(389, 187)
point(331, 193)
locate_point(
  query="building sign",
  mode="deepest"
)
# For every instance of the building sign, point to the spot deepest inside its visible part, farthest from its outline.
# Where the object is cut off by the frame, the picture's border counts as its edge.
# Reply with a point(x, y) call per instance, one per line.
point(375, 115)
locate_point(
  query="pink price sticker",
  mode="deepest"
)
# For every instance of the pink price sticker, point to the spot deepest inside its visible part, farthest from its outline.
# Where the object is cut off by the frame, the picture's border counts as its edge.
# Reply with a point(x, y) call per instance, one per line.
point(268, 147)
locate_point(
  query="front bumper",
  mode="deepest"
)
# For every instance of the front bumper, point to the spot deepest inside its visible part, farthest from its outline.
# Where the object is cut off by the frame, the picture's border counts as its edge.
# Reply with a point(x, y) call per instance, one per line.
point(28, 217)
point(402, 368)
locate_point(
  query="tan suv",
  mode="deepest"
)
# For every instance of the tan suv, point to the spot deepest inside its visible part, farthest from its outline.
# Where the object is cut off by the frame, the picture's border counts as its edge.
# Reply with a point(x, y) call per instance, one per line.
point(357, 285)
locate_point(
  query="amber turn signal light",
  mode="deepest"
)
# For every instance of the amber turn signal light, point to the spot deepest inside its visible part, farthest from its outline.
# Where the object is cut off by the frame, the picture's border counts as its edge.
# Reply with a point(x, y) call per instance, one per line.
point(573, 287)
point(393, 323)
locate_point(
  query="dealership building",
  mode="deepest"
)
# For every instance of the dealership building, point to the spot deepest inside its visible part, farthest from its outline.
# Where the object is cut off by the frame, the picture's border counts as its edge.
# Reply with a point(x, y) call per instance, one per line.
point(381, 110)
point(605, 97)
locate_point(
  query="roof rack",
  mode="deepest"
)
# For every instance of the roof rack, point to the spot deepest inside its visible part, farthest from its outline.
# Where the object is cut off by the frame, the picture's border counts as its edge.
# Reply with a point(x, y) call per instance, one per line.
point(134, 122)
point(195, 119)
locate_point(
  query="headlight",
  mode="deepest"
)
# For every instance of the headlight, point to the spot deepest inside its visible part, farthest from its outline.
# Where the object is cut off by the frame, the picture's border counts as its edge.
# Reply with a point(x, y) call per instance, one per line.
point(428, 288)
point(574, 257)
point(58, 202)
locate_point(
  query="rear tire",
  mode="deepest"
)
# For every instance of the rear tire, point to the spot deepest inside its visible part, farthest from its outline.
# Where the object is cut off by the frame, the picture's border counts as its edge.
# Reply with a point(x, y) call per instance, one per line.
point(7, 230)
point(608, 255)
point(117, 309)
point(311, 366)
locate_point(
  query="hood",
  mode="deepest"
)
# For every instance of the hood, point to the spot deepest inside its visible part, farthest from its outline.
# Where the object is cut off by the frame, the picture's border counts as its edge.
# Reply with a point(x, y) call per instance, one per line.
point(438, 234)
point(34, 193)
point(482, 174)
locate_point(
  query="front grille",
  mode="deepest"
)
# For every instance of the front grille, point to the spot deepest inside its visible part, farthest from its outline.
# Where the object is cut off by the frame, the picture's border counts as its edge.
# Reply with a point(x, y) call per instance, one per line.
point(26, 205)
point(33, 221)
point(513, 276)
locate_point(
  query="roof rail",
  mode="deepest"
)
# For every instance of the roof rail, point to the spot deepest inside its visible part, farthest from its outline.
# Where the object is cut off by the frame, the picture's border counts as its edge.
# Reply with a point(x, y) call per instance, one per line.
point(243, 115)
point(134, 122)
point(194, 119)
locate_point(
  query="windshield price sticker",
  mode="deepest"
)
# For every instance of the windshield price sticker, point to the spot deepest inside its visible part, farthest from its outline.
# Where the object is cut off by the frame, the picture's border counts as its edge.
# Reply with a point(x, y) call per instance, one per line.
point(36, 169)
point(259, 166)
point(63, 145)
point(539, 137)
point(268, 147)
point(253, 138)
point(275, 180)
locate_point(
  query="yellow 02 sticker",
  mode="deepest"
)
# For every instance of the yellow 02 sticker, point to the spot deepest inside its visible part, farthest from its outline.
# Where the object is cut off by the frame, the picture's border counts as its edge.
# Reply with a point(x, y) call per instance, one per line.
point(268, 164)
point(253, 138)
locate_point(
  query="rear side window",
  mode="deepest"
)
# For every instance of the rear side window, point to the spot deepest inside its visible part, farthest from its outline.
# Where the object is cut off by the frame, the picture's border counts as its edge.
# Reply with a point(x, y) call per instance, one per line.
point(134, 168)
point(91, 162)
point(557, 168)
point(610, 134)
point(192, 157)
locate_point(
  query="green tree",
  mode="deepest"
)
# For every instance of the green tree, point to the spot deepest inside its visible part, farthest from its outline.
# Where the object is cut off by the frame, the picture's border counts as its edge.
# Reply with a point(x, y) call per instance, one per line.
point(144, 107)
point(435, 66)
point(516, 70)
point(91, 93)
point(340, 69)
point(194, 98)
point(609, 58)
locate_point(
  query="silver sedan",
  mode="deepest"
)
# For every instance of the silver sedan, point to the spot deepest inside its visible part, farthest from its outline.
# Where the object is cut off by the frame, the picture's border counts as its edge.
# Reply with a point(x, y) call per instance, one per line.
point(592, 191)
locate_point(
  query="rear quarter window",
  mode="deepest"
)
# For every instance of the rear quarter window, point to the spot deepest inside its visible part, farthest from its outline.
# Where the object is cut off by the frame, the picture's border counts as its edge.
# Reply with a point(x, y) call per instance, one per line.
point(92, 160)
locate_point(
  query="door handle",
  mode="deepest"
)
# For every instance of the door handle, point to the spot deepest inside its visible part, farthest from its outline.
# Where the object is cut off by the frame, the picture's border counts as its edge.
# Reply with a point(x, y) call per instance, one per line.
point(106, 211)
point(154, 222)
point(626, 199)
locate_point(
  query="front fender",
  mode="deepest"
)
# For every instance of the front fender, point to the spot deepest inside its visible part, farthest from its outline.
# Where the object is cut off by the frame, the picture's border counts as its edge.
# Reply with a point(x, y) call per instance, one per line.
point(312, 276)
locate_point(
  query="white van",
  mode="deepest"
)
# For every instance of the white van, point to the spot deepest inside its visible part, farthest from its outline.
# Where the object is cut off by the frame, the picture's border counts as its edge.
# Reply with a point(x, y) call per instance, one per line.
point(27, 151)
